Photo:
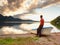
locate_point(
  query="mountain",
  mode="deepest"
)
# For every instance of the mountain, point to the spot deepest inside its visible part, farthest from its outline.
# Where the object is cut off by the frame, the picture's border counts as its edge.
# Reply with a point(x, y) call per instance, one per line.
point(56, 22)
point(12, 19)
point(8, 18)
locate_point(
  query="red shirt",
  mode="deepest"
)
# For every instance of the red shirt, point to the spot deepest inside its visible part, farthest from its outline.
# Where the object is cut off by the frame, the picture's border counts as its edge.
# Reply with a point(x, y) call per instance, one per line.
point(42, 21)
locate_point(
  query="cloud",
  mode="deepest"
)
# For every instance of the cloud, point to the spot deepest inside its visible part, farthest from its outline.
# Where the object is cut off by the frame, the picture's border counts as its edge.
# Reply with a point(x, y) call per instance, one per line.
point(23, 6)
point(57, 4)
point(12, 4)
point(9, 6)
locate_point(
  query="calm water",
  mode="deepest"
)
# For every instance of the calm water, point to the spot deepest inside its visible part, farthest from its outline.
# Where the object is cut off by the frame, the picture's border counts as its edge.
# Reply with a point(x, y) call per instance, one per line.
point(19, 29)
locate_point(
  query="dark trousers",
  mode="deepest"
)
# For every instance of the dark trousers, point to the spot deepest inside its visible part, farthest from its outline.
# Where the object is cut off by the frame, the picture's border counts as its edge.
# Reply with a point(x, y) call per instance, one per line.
point(39, 30)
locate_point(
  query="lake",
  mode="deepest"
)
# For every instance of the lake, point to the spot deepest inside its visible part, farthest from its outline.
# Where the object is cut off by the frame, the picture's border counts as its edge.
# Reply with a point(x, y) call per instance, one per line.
point(20, 28)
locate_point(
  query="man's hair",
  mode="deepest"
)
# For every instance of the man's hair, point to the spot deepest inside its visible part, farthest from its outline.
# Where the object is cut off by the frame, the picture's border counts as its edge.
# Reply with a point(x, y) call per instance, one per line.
point(41, 16)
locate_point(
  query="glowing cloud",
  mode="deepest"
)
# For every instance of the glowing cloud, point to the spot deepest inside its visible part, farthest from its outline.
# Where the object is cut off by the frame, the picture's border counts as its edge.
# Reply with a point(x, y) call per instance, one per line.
point(12, 7)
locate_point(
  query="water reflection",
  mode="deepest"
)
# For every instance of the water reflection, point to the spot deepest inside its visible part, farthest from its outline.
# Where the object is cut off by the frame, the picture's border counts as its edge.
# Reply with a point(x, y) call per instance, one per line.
point(21, 28)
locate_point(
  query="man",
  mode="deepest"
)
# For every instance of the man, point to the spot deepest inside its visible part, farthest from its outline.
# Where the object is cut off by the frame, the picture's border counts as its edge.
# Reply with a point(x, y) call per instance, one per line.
point(40, 26)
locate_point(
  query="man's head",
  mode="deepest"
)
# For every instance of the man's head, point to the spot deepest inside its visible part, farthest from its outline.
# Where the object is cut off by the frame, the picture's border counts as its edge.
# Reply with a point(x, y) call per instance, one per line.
point(41, 16)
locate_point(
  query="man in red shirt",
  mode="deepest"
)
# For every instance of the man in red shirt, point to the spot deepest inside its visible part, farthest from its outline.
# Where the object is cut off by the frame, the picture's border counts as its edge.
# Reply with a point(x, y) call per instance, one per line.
point(40, 26)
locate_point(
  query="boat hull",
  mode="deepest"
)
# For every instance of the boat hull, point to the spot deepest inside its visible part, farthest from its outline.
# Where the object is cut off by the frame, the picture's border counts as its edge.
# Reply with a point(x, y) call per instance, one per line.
point(45, 31)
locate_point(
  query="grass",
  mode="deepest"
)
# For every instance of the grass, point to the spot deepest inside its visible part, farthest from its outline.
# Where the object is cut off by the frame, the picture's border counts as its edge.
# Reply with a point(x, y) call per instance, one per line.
point(18, 41)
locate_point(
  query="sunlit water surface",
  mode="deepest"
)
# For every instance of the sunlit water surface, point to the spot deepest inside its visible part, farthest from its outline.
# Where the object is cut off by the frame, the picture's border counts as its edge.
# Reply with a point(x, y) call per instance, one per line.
point(19, 29)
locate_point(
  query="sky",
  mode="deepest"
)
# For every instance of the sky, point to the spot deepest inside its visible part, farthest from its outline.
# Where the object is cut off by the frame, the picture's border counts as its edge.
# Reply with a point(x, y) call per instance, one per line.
point(31, 9)
point(49, 13)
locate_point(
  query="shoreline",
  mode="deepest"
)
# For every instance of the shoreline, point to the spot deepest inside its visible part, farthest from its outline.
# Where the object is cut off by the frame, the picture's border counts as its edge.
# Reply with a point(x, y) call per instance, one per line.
point(26, 35)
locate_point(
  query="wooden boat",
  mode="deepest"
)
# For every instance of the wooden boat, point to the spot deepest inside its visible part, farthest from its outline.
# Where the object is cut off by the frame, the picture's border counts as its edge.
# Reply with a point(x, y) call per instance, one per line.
point(45, 31)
